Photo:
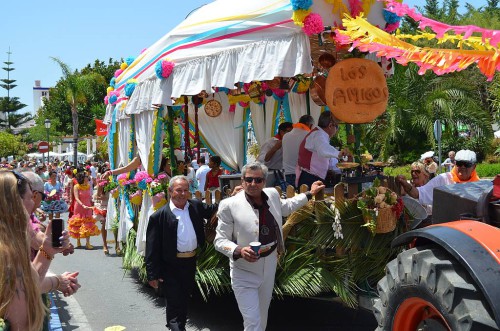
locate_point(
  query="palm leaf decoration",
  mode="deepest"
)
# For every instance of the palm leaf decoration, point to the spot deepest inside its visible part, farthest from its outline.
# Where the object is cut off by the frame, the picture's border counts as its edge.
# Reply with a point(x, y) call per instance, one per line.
point(212, 273)
point(132, 259)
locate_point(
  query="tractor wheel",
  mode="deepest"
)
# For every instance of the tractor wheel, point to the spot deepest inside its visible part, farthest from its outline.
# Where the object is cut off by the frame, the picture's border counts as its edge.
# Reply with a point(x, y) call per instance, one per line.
point(426, 289)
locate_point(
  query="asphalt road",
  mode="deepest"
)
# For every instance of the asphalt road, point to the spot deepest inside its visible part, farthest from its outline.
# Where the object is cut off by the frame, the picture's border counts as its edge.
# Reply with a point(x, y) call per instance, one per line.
point(112, 297)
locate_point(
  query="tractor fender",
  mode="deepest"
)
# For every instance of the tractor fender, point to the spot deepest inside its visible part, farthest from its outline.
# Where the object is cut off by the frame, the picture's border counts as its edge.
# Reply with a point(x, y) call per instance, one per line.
point(475, 245)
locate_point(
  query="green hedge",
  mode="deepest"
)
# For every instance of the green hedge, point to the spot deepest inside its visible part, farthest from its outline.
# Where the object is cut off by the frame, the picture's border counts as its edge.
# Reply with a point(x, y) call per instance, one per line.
point(484, 170)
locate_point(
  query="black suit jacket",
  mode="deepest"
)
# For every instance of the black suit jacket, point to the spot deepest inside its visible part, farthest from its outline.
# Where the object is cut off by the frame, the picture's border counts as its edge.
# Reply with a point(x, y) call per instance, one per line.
point(161, 236)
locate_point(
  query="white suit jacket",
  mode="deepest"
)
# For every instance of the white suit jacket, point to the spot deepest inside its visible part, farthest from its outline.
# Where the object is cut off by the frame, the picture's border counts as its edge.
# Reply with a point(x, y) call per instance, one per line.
point(238, 223)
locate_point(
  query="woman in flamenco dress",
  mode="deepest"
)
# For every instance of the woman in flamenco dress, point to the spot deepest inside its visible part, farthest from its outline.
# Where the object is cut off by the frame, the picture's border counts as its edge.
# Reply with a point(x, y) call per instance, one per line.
point(82, 224)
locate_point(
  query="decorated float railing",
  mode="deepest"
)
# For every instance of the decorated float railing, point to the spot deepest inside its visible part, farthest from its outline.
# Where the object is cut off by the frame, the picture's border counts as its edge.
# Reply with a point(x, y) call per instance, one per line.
point(331, 246)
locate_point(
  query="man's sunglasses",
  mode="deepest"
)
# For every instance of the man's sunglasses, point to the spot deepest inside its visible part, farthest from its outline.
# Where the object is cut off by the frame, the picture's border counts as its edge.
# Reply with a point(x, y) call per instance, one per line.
point(257, 180)
point(463, 164)
point(43, 194)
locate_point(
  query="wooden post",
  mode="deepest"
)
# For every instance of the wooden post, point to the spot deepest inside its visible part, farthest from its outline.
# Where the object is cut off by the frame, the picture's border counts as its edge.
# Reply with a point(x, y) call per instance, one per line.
point(303, 188)
point(290, 191)
point(320, 195)
point(196, 131)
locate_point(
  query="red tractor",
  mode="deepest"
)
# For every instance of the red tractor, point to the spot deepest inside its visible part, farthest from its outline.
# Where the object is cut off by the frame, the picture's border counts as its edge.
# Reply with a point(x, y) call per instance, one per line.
point(450, 277)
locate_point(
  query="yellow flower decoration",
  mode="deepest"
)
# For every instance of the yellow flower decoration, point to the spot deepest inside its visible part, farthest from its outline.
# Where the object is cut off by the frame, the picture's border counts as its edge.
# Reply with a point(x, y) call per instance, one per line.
point(123, 66)
point(299, 16)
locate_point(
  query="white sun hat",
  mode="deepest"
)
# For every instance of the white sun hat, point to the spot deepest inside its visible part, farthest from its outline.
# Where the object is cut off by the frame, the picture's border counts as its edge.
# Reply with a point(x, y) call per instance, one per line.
point(426, 155)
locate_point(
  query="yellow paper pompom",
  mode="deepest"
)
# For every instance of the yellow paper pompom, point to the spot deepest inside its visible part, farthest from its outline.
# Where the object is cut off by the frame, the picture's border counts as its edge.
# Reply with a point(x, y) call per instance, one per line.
point(123, 66)
point(109, 89)
point(299, 16)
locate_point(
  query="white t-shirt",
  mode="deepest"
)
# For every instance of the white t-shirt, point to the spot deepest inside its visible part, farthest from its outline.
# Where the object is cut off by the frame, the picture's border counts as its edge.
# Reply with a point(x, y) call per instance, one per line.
point(201, 176)
point(426, 192)
point(290, 148)
point(93, 172)
point(276, 161)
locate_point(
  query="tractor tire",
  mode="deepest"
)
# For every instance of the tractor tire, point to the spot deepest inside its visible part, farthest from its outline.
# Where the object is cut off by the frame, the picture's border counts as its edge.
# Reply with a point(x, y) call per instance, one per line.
point(426, 289)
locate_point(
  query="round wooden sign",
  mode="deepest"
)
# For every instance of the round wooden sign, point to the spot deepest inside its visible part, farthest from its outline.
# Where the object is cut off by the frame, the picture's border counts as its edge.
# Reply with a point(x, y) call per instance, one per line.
point(213, 108)
point(356, 91)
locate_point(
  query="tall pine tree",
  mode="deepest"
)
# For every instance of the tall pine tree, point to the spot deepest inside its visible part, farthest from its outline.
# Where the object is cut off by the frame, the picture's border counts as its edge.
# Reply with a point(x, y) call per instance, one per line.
point(9, 118)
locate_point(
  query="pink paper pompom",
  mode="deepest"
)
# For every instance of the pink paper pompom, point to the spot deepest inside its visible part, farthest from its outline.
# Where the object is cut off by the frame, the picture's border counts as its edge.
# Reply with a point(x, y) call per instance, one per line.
point(167, 68)
point(140, 176)
point(106, 100)
point(391, 27)
point(232, 108)
point(162, 176)
point(118, 73)
point(164, 68)
point(313, 24)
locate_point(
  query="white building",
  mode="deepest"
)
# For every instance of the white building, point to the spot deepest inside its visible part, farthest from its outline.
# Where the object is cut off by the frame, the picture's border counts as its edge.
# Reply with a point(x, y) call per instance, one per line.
point(39, 93)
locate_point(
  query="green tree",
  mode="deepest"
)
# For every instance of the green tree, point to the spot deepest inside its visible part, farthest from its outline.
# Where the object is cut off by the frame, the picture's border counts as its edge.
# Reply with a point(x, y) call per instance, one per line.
point(416, 102)
point(76, 90)
point(9, 106)
point(11, 145)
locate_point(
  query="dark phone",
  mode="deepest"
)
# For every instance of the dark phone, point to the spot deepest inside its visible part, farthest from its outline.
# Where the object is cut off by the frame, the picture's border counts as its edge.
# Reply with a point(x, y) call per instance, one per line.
point(57, 229)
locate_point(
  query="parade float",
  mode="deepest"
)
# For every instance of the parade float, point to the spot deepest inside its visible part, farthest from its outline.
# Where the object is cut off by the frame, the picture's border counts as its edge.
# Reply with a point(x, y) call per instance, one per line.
point(229, 67)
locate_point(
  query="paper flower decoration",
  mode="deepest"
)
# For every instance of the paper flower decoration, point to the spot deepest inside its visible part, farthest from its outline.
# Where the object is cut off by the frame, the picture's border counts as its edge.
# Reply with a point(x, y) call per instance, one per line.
point(129, 60)
point(301, 4)
point(109, 89)
point(299, 16)
point(112, 82)
point(391, 18)
point(113, 97)
point(123, 66)
point(164, 68)
point(118, 73)
point(106, 100)
point(130, 87)
point(313, 24)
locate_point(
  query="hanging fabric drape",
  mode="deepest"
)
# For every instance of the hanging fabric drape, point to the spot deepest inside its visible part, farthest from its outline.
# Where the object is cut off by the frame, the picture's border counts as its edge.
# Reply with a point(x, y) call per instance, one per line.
point(221, 130)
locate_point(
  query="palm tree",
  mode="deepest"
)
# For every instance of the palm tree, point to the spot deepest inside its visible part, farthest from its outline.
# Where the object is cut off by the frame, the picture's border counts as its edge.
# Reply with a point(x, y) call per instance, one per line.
point(76, 87)
point(416, 102)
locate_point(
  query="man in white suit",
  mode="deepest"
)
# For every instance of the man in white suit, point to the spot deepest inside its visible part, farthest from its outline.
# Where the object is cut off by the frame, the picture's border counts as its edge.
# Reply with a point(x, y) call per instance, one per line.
point(255, 214)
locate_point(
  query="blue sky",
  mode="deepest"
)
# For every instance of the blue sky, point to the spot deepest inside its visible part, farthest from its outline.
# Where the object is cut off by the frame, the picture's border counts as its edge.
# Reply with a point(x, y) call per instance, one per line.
point(79, 32)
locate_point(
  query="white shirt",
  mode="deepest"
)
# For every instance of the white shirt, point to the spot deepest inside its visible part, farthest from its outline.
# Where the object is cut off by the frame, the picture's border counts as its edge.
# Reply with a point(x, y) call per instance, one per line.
point(426, 192)
point(93, 172)
point(318, 143)
point(201, 176)
point(290, 147)
point(276, 161)
point(186, 237)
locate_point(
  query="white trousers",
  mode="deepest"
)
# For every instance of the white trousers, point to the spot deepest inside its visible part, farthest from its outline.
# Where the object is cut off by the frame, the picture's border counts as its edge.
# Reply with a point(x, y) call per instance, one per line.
point(253, 291)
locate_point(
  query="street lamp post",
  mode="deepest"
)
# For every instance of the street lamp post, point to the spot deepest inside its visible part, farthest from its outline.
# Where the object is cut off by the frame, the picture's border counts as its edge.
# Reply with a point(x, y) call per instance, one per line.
point(47, 126)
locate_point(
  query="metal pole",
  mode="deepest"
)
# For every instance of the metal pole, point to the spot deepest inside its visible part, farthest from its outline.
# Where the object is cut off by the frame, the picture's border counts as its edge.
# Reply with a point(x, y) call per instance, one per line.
point(48, 141)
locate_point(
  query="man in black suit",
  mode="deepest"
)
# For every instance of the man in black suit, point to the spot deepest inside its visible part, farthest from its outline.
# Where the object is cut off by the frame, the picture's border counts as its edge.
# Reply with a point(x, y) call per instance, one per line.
point(175, 233)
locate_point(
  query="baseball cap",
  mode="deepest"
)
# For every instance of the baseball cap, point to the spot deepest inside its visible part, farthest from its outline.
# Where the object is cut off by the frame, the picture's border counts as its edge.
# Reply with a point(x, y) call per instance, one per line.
point(465, 155)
